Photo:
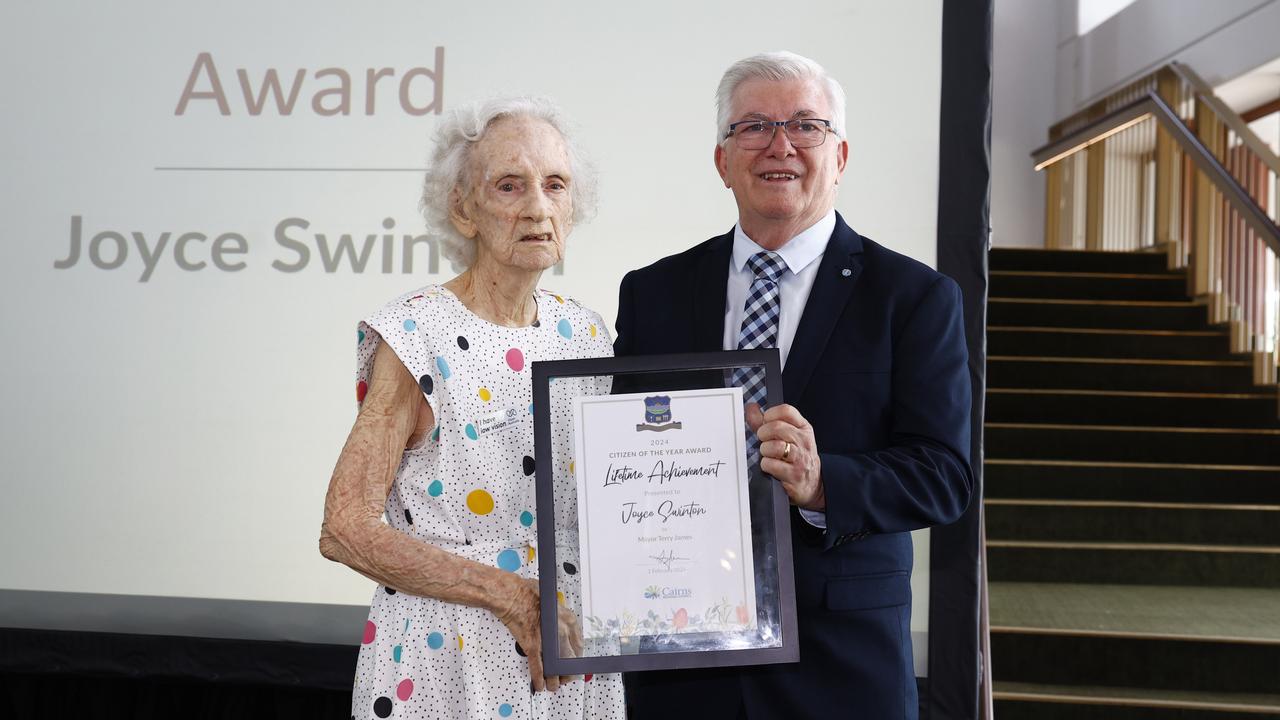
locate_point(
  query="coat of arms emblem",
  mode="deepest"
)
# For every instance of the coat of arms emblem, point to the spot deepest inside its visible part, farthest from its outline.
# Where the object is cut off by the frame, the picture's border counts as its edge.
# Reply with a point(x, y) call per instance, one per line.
point(657, 414)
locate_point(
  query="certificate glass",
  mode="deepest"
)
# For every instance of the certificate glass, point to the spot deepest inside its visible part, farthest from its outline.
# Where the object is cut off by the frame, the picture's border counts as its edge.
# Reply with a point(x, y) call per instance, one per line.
point(666, 546)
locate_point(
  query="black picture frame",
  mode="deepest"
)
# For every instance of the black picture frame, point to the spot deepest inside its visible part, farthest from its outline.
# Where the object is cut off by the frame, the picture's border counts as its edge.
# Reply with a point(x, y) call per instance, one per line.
point(553, 663)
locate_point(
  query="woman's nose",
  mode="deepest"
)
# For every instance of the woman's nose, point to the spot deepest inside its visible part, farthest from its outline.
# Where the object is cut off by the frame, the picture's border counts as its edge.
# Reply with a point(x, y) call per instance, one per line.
point(538, 208)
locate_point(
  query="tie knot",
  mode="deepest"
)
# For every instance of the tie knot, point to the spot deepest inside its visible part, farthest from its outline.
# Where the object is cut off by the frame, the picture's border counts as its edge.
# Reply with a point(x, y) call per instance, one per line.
point(767, 266)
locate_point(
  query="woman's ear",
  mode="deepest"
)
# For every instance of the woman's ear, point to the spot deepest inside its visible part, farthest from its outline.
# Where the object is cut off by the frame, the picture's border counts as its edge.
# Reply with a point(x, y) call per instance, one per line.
point(459, 215)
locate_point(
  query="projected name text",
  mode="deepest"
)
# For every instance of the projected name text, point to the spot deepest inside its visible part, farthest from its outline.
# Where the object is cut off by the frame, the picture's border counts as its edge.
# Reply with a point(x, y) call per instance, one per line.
point(295, 244)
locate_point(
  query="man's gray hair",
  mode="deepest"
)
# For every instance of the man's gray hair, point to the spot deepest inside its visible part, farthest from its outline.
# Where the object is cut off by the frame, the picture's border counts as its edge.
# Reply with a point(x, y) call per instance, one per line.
point(779, 65)
point(449, 168)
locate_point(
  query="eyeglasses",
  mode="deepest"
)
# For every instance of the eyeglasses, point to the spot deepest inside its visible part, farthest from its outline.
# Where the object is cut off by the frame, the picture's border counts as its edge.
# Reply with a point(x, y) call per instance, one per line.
point(801, 132)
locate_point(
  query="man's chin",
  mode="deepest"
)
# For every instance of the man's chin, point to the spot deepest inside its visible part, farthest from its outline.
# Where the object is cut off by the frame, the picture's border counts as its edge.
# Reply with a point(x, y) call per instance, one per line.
point(780, 212)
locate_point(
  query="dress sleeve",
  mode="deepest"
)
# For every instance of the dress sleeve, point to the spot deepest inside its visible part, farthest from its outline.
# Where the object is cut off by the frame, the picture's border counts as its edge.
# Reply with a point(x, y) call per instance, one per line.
point(399, 323)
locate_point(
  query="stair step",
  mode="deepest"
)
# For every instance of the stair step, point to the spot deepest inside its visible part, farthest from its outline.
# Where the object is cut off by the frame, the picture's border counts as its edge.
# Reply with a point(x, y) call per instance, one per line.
point(1133, 563)
point(1154, 482)
point(1039, 259)
point(1132, 503)
point(1093, 373)
point(1185, 315)
point(1152, 611)
point(1153, 663)
point(1231, 615)
point(1086, 407)
point(1088, 285)
point(1133, 522)
point(1044, 701)
point(1109, 342)
point(1124, 443)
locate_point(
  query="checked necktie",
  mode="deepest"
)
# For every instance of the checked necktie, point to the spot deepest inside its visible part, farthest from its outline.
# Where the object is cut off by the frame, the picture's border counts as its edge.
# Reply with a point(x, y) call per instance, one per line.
point(759, 330)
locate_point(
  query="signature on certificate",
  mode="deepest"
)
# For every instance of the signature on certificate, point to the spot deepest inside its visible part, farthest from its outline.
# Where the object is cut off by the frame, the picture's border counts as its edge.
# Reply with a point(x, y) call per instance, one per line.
point(666, 558)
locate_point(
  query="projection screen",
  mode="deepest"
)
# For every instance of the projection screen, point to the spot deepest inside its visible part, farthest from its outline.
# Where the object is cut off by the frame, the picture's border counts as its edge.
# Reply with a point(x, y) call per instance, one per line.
point(190, 250)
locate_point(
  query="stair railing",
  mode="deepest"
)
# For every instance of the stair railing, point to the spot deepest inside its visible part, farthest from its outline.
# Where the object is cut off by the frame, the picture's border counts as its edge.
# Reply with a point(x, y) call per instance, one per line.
point(1163, 164)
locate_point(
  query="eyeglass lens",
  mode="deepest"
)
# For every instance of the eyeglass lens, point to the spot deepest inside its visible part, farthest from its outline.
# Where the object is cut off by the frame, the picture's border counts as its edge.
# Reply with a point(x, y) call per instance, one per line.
point(802, 133)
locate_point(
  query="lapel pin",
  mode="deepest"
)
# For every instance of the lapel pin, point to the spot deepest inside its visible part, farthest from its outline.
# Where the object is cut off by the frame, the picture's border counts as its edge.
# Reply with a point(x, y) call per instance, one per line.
point(846, 272)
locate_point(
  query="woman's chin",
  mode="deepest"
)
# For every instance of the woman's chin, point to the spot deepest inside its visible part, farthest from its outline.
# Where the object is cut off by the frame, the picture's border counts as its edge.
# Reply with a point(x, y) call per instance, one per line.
point(536, 259)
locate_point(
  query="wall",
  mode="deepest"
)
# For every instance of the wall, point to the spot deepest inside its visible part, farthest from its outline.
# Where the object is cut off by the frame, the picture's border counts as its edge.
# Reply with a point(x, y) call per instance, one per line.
point(1022, 111)
point(1220, 40)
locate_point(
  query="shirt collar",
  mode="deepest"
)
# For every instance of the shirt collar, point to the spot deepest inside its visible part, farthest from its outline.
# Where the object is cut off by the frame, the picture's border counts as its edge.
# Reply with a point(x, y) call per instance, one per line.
point(797, 253)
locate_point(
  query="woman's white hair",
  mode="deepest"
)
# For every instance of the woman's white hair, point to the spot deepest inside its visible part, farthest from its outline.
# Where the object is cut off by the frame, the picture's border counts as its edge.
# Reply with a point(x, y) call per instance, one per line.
point(449, 167)
point(779, 65)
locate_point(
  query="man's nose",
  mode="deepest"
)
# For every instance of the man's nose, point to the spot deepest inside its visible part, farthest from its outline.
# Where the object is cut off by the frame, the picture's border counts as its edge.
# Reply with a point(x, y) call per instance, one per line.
point(780, 145)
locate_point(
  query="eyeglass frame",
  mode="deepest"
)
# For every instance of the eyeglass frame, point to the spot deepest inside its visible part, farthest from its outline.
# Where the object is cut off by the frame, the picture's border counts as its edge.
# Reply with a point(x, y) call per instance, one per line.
point(775, 124)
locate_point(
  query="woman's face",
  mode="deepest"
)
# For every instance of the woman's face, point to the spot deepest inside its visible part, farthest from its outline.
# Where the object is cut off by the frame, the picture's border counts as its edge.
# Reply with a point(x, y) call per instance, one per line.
point(518, 207)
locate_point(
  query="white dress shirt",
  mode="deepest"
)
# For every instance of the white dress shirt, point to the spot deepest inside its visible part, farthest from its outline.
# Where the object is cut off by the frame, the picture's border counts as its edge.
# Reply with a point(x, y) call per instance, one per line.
point(802, 254)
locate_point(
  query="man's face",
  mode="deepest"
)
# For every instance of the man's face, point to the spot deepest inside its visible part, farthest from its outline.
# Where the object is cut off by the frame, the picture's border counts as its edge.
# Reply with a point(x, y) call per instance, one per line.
point(781, 188)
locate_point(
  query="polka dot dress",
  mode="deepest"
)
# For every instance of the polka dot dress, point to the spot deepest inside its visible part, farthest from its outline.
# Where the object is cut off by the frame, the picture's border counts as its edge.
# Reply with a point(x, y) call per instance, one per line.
point(469, 488)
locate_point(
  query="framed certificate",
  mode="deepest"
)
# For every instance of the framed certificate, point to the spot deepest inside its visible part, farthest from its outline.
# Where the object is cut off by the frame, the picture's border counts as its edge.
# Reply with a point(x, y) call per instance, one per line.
point(660, 543)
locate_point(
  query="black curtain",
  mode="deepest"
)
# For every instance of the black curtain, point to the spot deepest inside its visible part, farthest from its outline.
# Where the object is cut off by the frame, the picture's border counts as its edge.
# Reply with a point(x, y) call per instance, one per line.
point(964, 215)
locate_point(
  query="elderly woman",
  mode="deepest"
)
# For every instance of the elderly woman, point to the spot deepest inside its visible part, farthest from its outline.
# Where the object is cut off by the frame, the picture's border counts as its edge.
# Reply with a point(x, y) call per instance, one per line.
point(443, 442)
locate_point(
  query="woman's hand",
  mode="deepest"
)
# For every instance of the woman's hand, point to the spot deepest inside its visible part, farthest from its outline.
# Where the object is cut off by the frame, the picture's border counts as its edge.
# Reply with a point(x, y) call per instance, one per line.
point(522, 616)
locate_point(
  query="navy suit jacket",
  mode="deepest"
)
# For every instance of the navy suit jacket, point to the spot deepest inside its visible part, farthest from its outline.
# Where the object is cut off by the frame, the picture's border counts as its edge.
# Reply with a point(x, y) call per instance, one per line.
point(878, 366)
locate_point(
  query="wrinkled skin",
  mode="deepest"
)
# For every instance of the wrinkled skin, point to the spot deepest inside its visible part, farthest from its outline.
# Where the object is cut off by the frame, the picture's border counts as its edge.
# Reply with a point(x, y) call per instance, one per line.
point(518, 210)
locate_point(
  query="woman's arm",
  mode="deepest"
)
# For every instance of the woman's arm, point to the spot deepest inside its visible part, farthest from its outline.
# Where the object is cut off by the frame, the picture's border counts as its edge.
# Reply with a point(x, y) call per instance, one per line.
point(392, 416)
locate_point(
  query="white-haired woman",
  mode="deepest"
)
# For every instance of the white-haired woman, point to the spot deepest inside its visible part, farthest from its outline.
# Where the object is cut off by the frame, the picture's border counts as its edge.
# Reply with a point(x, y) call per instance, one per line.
point(443, 442)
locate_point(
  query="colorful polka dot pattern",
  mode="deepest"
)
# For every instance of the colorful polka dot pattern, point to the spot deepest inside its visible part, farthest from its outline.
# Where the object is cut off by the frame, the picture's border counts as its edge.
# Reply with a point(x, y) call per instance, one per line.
point(471, 491)
point(509, 560)
point(480, 502)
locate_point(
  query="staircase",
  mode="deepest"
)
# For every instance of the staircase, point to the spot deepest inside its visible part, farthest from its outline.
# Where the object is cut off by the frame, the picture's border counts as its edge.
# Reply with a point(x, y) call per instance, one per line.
point(1132, 498)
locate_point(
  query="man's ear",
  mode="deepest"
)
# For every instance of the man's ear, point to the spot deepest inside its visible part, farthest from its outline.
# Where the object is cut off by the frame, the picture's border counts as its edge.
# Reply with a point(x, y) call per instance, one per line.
point(459, 216)
point(842, 159)
point(722, 166)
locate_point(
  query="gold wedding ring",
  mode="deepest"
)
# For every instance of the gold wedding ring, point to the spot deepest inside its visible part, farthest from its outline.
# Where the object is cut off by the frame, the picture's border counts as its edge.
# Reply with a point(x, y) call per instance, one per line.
point(786, 452)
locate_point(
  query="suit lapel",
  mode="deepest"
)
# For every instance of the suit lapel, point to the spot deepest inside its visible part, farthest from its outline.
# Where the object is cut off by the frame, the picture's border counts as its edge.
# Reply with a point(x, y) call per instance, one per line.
point(831, 291)
point(710, 285)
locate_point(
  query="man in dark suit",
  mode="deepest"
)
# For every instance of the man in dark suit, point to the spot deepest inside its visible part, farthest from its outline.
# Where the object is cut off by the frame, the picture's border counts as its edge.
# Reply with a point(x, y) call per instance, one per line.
point(873, 440)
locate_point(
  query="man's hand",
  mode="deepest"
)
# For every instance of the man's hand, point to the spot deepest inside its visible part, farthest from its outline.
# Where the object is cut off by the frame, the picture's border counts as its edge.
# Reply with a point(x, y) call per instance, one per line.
point(789, 453)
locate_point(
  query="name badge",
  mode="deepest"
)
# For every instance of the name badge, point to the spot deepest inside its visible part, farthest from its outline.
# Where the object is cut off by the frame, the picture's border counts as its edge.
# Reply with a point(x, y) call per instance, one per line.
point(500, 420)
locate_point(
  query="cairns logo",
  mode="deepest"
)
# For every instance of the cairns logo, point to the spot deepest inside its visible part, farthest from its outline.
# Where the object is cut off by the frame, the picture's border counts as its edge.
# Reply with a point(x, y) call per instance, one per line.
point(654, 592)
point(657, 415)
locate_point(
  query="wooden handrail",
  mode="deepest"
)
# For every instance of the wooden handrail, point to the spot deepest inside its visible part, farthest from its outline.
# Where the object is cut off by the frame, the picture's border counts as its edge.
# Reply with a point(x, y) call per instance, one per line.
point(1151, 105)
point(1096, 131)
point(1238, 124)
